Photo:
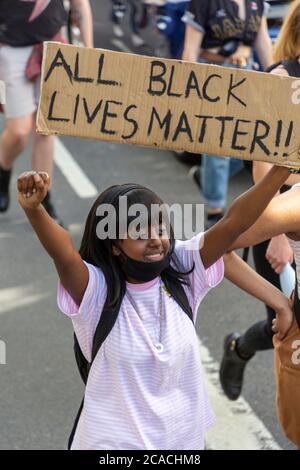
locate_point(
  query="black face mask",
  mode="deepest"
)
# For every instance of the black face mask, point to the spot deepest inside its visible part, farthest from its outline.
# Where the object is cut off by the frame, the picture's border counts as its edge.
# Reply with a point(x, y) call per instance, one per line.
point(142, 271)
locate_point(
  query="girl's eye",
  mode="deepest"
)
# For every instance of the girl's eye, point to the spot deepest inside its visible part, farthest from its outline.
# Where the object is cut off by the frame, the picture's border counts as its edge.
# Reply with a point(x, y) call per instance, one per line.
point(163, 231)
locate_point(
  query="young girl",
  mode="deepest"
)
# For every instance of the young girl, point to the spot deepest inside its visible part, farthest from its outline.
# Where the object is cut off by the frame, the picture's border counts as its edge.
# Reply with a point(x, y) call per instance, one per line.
point(145, 386)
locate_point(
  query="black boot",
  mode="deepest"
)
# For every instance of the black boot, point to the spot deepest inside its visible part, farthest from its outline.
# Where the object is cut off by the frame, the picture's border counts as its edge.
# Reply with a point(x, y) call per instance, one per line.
point(47, 203)
point(4, 189)
point(232, 368)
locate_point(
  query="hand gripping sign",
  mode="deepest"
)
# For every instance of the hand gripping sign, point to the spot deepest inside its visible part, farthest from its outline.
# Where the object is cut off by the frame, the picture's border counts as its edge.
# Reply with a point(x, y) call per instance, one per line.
point(169, 104)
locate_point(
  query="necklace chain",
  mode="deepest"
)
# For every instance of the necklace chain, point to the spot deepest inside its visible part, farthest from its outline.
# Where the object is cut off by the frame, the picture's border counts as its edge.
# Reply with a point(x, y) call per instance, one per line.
point(159, 345)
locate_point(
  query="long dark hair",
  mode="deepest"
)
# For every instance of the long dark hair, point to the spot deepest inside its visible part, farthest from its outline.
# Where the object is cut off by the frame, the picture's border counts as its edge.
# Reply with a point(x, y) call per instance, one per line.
point(98, 251)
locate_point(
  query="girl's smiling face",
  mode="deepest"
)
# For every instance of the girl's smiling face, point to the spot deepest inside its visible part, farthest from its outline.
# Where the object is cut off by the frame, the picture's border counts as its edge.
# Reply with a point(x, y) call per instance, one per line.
point(152, 245)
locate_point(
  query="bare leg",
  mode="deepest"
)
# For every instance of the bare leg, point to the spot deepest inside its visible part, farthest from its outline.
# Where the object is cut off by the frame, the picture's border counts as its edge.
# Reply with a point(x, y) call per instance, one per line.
point(14, 139)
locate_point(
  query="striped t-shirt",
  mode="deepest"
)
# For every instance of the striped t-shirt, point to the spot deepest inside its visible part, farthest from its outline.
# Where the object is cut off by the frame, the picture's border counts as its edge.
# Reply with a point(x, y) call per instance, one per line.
point(137, 397)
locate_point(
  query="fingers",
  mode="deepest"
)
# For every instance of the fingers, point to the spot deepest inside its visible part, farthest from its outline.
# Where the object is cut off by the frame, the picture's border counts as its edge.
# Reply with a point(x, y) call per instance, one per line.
point(276, 329)
point(31, 182)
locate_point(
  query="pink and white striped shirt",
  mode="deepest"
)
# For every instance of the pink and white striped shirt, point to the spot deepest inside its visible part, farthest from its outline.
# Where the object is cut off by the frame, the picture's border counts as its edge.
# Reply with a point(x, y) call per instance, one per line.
point(137, 397)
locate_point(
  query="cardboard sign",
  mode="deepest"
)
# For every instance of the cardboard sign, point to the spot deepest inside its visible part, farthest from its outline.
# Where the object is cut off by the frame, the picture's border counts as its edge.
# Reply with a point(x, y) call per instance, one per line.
point(169, 104)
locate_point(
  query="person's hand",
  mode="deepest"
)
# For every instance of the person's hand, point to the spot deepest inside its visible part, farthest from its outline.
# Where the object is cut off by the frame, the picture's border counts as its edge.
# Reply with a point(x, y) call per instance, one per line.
point(32, 188)
point(279, 253)
point(284, 318)
point(240, 56)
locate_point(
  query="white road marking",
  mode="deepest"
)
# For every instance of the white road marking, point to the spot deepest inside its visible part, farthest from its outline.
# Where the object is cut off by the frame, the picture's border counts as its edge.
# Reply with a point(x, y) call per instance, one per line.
point(121, 46)
point(75, 176)
point(238, 427)
point(16, 297)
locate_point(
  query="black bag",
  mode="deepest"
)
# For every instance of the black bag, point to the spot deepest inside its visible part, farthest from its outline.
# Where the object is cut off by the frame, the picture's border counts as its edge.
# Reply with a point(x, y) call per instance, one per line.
point(291, 66)
point(104, 327)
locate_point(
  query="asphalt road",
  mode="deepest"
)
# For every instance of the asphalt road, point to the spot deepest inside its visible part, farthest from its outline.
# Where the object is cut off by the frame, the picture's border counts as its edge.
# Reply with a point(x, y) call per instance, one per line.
point(40, 386)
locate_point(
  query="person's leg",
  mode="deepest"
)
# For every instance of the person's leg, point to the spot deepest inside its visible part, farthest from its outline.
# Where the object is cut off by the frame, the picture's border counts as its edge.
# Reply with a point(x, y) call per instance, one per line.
point(176, 37)
point(14, 139)
point(19, 108)
point(214, 182)
point(239, 349)
point(42, 158)
point(137, 40)
point(235, 166)
point(117, 13)
point(259, 337)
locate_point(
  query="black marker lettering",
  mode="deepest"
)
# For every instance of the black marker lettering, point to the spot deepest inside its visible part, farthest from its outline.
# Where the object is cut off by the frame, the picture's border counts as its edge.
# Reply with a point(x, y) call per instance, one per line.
point(100, 80)
point(157, 78)
point(107, 114)
point(203, 127)
point(183, 127)
point(206, 83)
point(169, 90)
point(278, 133)
point(236, 133)
point(257, 139)
point(59, 61)
point(50, 116)
point(166, 122)
point(232, 87)
point(76, 109)
point(222, 120)
point(90, 117)
point(192, 84)
point(76, 72)
point(132, 121)
point(289, 134)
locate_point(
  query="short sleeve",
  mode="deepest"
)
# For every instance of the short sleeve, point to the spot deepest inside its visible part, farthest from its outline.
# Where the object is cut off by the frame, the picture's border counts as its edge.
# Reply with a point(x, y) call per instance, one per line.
point(266, 8)
point(201, 279)
point(196, 15)
point(85, 316)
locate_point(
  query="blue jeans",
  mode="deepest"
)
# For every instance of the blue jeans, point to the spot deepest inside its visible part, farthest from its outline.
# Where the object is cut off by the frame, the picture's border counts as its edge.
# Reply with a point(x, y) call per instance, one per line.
point(216, 172)
point(174, 26)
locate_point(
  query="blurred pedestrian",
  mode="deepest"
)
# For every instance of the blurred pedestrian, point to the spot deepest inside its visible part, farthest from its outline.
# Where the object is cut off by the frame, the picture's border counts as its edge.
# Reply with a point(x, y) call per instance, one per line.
point(24, 25)
point(224, 32)
point(170, 25)
point(119, 9)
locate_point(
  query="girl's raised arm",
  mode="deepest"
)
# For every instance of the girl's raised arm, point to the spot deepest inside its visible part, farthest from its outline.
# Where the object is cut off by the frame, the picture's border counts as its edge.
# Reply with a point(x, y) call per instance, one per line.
point(72, 271)
point(243, 213)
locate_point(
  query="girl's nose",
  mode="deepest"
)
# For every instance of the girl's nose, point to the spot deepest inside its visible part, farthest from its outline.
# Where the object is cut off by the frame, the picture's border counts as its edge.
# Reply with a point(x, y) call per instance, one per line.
point(154, 239)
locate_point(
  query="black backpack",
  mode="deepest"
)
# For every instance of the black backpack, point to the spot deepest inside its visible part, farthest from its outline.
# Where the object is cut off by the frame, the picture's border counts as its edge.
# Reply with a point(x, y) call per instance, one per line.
point(107, 320)
point(291, 66)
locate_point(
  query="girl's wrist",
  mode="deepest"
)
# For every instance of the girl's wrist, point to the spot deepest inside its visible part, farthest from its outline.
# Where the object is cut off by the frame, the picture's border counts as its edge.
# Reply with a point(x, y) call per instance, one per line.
point(34, 210)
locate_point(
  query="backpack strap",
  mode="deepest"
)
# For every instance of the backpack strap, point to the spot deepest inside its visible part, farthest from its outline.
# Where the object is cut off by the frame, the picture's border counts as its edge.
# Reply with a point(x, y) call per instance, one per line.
point(272, 67)
point(292, 67)
point(105, 325)
point(107, 320)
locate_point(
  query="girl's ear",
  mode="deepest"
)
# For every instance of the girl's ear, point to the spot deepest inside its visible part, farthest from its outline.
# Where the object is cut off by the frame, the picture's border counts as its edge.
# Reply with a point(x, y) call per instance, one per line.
point(115, 251)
